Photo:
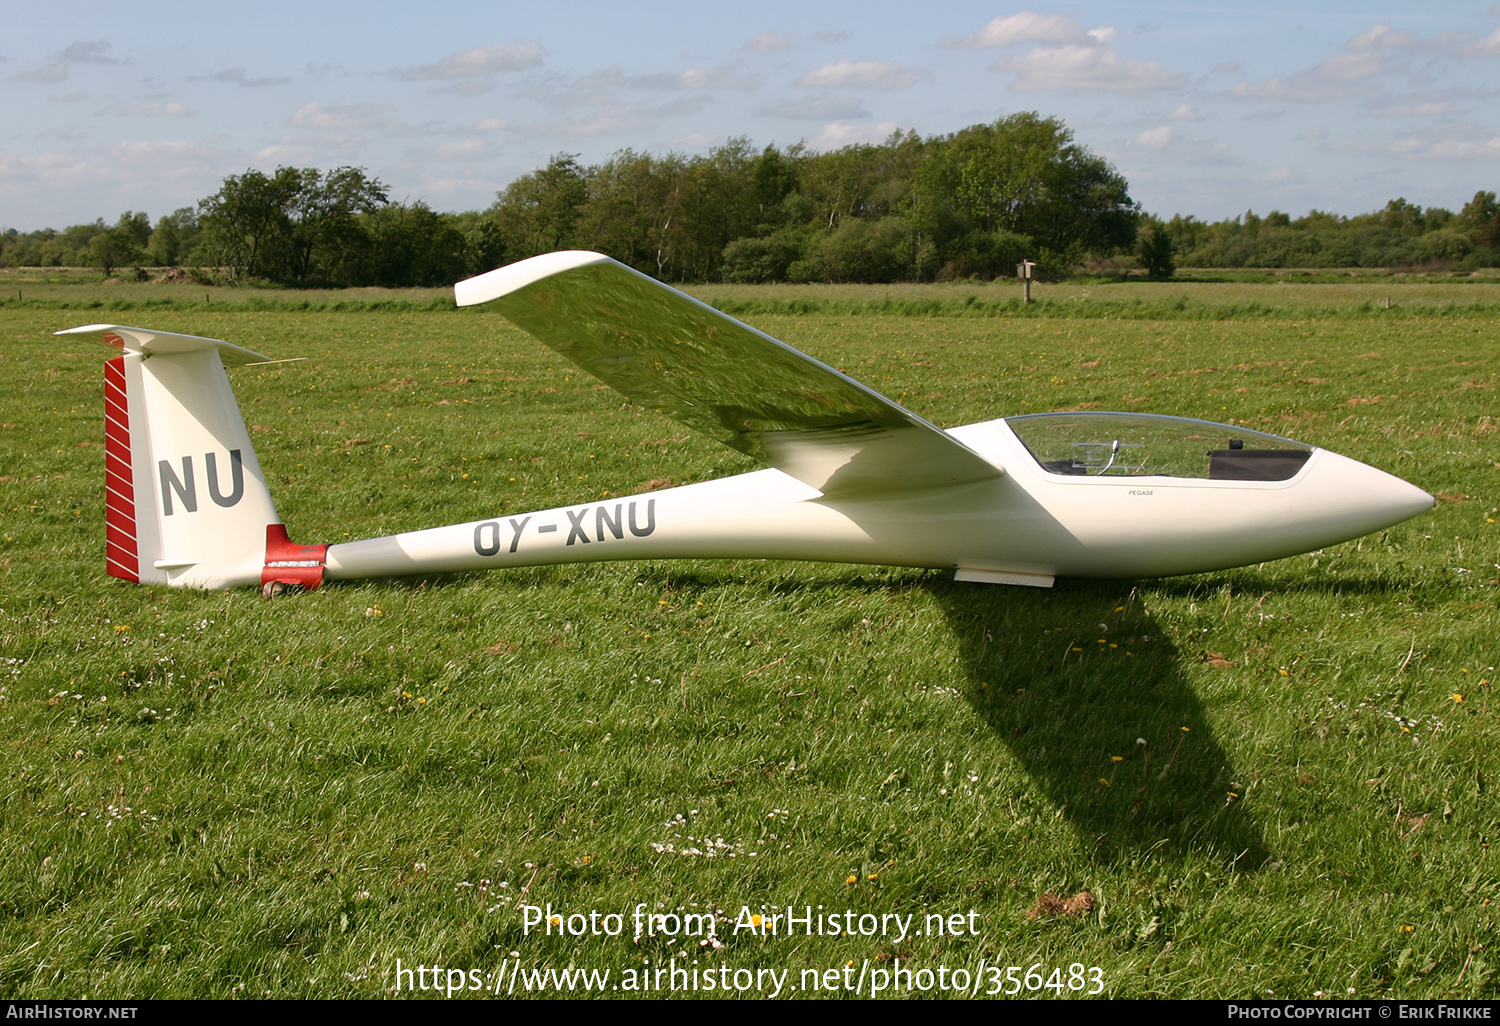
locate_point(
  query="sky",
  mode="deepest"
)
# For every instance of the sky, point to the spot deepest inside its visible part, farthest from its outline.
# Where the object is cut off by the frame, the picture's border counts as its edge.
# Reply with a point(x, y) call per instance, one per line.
point(1207, 111)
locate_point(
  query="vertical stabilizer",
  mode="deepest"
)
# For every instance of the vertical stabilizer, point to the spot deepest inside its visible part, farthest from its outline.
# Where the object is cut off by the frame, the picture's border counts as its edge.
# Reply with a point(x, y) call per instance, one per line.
point(186, 501)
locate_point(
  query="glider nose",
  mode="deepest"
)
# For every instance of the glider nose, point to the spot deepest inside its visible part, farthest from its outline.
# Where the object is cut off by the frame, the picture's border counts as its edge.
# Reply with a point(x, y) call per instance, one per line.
point(1404, 500)
point(1375, 499)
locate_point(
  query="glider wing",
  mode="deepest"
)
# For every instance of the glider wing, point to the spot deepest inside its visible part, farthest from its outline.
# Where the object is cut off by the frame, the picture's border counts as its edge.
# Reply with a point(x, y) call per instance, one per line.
point(664, 349)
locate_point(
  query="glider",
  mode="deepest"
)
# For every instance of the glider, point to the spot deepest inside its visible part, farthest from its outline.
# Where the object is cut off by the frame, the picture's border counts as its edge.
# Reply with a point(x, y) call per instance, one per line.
point(853, 476)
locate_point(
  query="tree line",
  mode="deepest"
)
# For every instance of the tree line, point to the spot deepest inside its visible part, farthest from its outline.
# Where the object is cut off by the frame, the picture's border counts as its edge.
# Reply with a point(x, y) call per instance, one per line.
point(976, 201)
point(971, 203)
point(1400, 235)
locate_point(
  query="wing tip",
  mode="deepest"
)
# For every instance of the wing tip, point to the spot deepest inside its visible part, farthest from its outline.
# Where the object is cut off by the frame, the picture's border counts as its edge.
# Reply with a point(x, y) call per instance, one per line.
point(504, 280)
point(87, 329)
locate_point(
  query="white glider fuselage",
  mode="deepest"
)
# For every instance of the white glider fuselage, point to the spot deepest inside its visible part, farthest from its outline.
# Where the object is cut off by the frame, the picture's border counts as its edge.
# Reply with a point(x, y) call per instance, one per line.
point(1025, 527)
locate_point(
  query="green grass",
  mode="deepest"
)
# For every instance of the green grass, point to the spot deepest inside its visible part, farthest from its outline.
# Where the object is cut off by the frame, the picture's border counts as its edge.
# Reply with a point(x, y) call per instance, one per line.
point(209, 795)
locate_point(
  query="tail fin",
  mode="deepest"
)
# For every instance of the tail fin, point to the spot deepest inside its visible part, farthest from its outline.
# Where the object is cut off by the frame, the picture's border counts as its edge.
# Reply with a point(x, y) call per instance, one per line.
point(186, 501)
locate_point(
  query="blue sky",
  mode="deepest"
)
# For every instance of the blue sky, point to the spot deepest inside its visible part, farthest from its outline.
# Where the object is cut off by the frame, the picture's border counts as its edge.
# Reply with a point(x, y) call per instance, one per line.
point(106, 107)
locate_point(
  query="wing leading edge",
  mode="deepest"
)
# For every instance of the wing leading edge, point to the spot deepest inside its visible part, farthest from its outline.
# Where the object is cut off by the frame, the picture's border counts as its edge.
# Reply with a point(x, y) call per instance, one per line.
point(665, 349)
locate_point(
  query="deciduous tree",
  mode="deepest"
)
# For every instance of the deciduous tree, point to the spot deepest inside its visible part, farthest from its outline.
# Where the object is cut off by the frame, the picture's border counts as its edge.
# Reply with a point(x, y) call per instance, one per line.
point(273, 226)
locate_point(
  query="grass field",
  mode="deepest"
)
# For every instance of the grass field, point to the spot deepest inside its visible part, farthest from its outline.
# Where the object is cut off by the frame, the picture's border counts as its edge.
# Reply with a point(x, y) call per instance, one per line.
point(1207, 294)
point(1272, 781)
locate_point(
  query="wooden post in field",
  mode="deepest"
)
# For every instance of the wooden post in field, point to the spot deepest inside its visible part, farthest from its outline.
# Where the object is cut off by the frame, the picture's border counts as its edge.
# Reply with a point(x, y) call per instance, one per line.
point(1024, 271)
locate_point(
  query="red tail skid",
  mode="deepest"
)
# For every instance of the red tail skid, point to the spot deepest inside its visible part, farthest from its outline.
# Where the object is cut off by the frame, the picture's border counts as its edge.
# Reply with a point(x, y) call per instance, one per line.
point(287, 563)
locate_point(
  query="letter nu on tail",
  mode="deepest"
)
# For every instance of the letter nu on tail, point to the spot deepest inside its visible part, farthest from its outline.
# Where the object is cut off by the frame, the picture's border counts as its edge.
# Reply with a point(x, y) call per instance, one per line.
point(186, 502)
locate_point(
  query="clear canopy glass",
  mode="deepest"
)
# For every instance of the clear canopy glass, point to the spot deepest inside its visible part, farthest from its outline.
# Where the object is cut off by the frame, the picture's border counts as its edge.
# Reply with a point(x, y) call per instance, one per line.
point(1147, 445)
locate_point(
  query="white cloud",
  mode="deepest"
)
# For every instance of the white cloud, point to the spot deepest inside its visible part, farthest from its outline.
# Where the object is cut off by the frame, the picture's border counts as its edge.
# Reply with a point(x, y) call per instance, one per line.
point(846, 74)
point(51, 186)
point(838, 134)
point(443, 185)
point(1155, 138)
point(693, 141)
point(77, 53)
point(1448, 142)
point(491, 125)
point(1432, 109)
point(172, 158)
point(819, 108)
point(54, 72)
point(1447, 149)
point(1069, 57)
point(1333, 78)
point(768, 42)
point(124, 163)
point(1457, 44)
point(1028, 27)
point(701, 78)
point(87, 53)
point(614, 118)
point(464, 149)
point(1489, 46)
point(1351, 74)
point(237, 76)
point(832, 35)
point(149, 110)
point(604, 78)
point(315, 143)
point(289, 152)
point(481, 62)
point(1085, 68)
point(1166, 143)
point(591, 91)
point(468, 87)
point(611, 118)
point(56, 169)
point(1383, 37)
point(694, 78)
point(340, 116)
point(1184, 113)
point(69, 133)
point(311, 149)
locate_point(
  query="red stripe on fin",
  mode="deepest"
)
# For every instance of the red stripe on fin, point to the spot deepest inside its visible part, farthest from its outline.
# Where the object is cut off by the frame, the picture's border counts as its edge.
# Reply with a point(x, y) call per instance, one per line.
point(121, 559)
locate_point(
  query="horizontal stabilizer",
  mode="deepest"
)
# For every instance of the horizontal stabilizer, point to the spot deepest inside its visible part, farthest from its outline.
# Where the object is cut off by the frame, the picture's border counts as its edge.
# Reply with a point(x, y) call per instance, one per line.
point(161, 343)
point(665, 349)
